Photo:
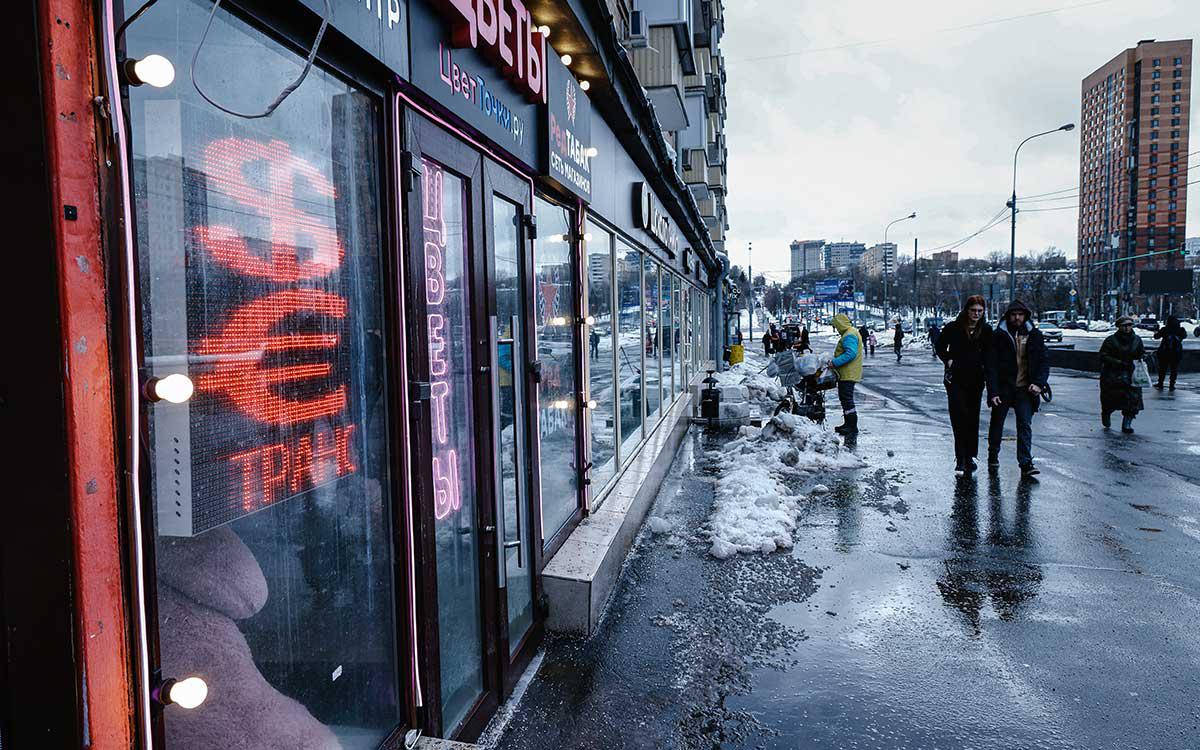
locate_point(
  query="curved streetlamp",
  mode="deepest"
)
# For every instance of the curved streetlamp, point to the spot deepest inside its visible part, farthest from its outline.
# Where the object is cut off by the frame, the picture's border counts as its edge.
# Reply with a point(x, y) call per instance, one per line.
point(1012, 257)
point(913, 215)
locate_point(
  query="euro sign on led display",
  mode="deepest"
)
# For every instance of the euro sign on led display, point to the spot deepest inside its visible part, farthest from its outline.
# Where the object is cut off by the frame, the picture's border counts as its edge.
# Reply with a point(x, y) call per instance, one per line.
point(269, 309)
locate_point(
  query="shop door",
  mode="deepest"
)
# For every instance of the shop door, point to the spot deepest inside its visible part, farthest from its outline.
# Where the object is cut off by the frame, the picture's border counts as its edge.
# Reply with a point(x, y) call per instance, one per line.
point(468, 271)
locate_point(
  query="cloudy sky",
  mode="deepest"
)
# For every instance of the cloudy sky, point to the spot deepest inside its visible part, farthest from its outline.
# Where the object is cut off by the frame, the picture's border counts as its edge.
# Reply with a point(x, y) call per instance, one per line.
point(845, 115)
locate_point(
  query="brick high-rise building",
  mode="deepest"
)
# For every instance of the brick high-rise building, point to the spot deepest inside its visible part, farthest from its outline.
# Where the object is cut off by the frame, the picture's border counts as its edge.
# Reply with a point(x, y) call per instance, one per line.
point(1133, 173)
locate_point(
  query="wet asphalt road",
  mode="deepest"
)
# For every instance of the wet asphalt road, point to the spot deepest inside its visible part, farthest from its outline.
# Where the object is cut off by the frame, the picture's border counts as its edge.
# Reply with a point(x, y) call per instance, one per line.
point(917, 610)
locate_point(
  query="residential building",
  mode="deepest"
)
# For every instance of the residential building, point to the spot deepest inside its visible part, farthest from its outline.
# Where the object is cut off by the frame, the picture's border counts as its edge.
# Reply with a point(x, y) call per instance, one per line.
point(944, 258)
point(843, 254)
point(1135, 113)
point(808, 256)
point(317, 402)
point(873, 261)
point(675, 49)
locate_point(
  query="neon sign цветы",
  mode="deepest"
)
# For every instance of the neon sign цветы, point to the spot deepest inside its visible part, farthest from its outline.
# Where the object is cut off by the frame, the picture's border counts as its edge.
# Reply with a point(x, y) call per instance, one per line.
point(503, 31)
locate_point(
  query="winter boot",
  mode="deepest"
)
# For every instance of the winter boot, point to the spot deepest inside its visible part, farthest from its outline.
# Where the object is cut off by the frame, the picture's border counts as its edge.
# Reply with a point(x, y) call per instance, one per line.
point(1127, 425)
point(1106, 419)
point(849, 425)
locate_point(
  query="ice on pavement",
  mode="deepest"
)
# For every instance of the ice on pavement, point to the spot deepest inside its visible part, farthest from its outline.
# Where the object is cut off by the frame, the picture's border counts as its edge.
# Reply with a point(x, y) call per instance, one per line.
point(754, 510)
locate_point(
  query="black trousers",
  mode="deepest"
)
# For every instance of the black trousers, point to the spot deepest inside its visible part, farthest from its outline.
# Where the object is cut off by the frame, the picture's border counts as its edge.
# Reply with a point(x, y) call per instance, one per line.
point(1165, 365)
point(964, 398)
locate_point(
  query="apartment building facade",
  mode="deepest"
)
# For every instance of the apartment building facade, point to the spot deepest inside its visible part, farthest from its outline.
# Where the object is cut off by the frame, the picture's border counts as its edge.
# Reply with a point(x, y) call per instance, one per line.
point(879, 257)
point(843, 254)
point(807, 256)
point(1133, 175)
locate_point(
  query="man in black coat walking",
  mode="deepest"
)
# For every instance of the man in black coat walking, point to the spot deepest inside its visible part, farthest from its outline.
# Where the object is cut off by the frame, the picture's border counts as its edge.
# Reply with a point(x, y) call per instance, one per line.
point(1017, 372)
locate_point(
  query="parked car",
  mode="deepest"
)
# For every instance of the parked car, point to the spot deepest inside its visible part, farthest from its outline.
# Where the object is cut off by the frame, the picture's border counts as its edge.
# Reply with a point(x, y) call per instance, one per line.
point(1074, 325)
point(1051, 331)
point(1148, 324)
point(1100, 326)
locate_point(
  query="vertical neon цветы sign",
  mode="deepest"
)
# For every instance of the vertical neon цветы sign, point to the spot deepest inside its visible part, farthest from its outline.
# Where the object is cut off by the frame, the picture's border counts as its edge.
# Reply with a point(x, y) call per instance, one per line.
point(446, 492)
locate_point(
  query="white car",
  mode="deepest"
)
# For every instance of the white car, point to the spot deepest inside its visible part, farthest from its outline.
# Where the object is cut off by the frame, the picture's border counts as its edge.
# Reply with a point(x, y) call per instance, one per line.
point(1100, 326)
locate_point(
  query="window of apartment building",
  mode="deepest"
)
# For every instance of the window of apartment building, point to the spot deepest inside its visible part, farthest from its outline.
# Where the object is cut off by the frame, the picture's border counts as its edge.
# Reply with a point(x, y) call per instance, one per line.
point(1178, 74)
point(1174, 146)
point(1174, 168)
point(1150, 218)
point(1152, 243)
point(1154, 135)
point(1179, 61)
point(1155, 86)
point(1157, 62)
point(1152, 206)
point(1153, 158)
point(1172, 205)
point(1175, 157)
point(1156, 74)
point(1153, 147)
point(1176, 97)
point(261, 276)
point(1172, 218)
point(1154, 183)
point(1153, 111)
point(1154, 99)
point(1174, 181)
point(1153, 170)
point(1174, 121)
point(1175, 110)
point(1176, 86)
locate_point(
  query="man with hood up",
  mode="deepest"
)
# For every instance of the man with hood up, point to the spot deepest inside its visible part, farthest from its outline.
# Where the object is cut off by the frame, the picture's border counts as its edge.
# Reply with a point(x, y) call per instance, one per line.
point(1016, 372)
point(848, 361)
point(1170, 351)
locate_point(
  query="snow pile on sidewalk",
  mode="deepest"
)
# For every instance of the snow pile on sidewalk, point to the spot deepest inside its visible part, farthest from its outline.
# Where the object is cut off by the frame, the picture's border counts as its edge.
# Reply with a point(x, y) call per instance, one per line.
point(765, 392)
point(754, 510)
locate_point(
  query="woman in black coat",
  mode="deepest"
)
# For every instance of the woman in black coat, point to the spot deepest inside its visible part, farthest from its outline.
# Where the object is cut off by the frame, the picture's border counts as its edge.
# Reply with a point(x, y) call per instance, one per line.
point(962, 346)
point(1170, 351)
point(1119, 354)
point(898, 342)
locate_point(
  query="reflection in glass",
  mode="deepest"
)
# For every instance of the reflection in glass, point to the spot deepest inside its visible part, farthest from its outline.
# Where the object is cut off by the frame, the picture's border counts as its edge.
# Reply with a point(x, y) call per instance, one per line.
point(510, 374)
point(447, 300)
point(555, 317)
point(601, 358)
point(653, 344)
point(261, 278)
point(668, 336)
point(677, 317)
point(630, 346)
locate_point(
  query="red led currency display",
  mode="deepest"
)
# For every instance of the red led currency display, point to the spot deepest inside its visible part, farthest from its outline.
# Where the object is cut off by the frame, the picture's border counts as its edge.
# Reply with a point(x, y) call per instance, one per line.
point(269, 319)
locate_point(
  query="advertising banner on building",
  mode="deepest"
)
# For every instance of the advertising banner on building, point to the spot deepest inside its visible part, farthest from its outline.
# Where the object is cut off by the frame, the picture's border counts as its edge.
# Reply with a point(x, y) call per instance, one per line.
point(567, 156)
point(1165, 282)
point(834, 290)
point(466, 81)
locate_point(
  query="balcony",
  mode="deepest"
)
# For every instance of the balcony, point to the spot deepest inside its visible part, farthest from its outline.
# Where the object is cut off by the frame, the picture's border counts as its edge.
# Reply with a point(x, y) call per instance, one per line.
point(661, 75)
point(717, 177)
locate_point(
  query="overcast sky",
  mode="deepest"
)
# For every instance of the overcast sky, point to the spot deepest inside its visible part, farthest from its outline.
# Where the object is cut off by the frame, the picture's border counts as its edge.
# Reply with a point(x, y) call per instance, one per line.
point(835, 143)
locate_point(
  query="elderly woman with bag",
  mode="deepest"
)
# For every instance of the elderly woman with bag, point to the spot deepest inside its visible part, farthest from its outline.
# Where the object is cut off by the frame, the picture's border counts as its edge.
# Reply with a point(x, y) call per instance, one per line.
point(1120, 356)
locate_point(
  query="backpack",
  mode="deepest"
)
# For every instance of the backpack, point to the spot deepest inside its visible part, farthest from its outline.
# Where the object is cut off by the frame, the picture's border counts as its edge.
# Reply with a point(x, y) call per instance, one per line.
point(1171, 344)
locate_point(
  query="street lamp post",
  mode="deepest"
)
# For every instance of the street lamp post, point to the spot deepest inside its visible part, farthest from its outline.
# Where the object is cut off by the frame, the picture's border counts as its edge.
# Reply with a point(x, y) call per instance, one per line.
point(913, 215)
point(1012, 258)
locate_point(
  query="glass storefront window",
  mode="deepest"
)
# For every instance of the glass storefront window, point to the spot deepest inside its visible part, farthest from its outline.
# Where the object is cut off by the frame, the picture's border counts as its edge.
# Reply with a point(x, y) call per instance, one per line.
point(677, 290)
point(601, 358)
point(630, 346)
point(653, 343)
point(668, 336)
point(555, 320)
point(260, 278)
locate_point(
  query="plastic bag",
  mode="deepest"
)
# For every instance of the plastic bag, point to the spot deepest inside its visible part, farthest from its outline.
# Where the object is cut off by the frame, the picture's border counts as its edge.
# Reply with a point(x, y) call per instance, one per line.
point(807, 364)
point(827, 378)
point(1141, 375)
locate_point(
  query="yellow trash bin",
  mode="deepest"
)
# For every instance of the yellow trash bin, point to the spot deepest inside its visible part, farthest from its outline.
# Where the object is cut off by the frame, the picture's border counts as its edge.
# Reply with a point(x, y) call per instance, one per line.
point(737, 353)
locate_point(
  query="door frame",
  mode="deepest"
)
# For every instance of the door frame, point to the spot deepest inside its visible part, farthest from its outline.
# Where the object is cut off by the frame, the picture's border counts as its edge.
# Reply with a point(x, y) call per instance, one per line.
point(483, 176)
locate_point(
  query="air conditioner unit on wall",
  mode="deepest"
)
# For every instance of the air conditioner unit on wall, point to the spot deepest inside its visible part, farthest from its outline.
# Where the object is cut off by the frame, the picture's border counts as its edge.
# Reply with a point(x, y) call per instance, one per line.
point(637, 29)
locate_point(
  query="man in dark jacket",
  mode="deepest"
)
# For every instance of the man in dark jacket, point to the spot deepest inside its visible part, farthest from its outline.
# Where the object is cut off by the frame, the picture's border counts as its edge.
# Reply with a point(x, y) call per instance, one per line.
point(1016, 372)
point(1170, 351)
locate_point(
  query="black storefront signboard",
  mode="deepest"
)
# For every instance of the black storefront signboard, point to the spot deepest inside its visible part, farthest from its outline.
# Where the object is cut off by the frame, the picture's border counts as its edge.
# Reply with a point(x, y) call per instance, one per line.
point(566, 158)
point(469, 84)
point(649, 214)
point(378, 26)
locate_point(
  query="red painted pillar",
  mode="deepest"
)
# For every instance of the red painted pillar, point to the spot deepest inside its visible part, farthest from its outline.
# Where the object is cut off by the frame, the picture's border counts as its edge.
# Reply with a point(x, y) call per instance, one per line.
point(69, 62)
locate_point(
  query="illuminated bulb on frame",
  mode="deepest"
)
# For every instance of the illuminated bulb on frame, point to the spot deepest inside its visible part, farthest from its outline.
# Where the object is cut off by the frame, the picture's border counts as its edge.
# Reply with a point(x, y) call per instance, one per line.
point(592, 404)
point(590, 320)
point(544, 30)
point(174, 389)
point(585, 85)
point(587, 236)
point(591, 152)
point(152, 70)
point(188, 693)
point(567, 59)
point(560, 321)
point(560, 404)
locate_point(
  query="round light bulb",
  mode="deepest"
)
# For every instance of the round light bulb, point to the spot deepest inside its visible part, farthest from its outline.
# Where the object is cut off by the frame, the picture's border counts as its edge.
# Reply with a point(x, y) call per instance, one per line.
point(591, 152)
point(544, 30)
point(590, 320)
point(592, 404)
point(560, 404)
point(188, 693)
point(176, 388)
point(153, 70)
point(587, 236)
point(567, 59)
point(585, 85)
point(559, 321)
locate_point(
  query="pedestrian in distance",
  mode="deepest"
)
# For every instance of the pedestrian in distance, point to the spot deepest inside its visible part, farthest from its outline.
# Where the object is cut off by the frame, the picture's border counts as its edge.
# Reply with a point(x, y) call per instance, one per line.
point(864, 333)
point(934, 334)
point(963, 346)
point(872, 341)
point(848, 361)
point(898, 341)
point(1170, 351)
point(768, 345)
point(1119, 355)
point(594, 340)
point(804, 345)
point(1016, 372)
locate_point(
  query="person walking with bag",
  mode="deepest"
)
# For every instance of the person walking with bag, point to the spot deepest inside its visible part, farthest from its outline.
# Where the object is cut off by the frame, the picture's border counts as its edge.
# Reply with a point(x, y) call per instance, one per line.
point(1120, 356)
point(872, 341)
point(1016, 372)
point(848, 361)
point(1170, 351)
point(962, 346)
